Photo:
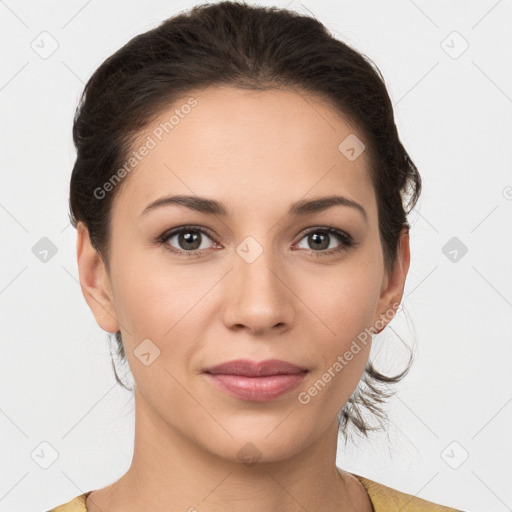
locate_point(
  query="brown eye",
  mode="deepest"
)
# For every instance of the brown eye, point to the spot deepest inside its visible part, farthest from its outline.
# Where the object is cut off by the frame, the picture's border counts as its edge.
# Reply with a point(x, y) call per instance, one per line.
point(323, 241)
point(186, 240)
point(319, 240)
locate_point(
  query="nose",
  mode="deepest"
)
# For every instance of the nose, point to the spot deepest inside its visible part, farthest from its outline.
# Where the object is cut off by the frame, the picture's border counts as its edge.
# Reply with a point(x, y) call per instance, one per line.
point(259, 296)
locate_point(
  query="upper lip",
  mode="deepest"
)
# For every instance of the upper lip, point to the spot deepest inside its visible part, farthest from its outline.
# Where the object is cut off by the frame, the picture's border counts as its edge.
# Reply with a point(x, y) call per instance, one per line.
point(247, 368)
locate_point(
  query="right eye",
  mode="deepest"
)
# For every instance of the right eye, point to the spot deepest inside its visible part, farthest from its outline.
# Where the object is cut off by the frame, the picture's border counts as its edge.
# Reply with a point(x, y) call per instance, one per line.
point(189, 240)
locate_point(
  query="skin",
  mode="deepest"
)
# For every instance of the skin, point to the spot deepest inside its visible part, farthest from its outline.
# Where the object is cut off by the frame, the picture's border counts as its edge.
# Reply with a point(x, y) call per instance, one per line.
point(257, 152)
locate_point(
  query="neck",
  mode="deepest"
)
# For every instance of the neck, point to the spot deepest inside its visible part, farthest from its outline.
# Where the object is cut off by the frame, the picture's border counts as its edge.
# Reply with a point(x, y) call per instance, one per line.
point(170, 472)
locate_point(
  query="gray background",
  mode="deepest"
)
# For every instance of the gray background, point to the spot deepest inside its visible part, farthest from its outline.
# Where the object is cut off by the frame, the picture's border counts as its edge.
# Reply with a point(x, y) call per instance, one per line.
point(67, 427)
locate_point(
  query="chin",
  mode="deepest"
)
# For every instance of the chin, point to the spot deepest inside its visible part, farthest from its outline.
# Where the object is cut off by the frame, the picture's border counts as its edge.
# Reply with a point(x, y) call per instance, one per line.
point(262, 443)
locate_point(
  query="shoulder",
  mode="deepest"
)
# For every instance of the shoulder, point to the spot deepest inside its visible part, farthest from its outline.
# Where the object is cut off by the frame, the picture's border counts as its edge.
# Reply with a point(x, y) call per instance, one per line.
point(75, 505)
point(386, 499)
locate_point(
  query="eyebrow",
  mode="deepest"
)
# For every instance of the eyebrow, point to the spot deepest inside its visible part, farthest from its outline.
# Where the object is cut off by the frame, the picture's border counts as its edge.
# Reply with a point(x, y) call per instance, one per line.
point(213, 207)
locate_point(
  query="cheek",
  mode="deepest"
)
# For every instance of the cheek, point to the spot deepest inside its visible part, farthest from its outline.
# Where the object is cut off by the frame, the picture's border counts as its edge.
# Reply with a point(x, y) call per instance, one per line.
point(151, 298)
point(165, 305)
point(344, 299)
point(343, 308)
point(159, 308)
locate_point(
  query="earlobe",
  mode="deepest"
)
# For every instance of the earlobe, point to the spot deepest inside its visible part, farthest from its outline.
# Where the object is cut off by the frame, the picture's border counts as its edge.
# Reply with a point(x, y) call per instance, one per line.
point(394, 283)
point(94, 281)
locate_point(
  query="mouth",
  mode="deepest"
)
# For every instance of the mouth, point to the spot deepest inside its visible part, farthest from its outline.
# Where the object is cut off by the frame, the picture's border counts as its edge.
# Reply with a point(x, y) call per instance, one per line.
point(256, 381)
point(247, 368)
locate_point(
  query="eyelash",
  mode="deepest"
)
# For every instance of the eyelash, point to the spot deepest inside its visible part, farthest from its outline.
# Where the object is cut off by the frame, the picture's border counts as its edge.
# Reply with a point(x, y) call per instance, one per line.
point(346, 239)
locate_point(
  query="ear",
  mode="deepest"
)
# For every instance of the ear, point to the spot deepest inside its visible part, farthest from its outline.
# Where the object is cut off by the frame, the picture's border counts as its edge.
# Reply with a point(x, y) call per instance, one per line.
point(94, 281)
point(393, 284)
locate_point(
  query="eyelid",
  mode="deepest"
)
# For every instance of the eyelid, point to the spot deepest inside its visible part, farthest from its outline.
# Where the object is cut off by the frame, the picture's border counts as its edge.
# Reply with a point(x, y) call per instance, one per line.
point(346, 239)
point(164, 237)
point(328, 229)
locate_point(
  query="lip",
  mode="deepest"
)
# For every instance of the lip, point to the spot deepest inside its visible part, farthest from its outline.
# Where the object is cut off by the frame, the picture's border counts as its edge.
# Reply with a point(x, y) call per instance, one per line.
point(256, 381)
point(247, 368)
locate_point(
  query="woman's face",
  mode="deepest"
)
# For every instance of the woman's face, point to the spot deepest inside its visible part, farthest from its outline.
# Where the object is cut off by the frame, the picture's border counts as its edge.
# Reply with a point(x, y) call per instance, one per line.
point(264, 280)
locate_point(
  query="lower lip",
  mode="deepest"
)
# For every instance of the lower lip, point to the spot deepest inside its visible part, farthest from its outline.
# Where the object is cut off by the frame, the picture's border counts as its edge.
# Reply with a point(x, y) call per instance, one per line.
point(256, 389)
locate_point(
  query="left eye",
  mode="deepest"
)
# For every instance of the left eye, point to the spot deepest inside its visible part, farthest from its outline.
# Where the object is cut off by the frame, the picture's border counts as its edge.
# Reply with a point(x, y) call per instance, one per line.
point(320, 239)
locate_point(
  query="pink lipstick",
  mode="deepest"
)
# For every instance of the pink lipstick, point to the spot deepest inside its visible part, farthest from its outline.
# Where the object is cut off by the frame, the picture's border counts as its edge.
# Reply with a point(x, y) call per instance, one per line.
point(256, 381)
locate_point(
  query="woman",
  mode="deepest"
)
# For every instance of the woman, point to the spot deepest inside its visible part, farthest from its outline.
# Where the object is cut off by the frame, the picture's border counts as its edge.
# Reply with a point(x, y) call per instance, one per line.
point(238, 198)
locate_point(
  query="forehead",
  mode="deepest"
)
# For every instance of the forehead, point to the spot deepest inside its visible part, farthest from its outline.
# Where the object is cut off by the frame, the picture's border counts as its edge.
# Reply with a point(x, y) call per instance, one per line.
point(249, 149)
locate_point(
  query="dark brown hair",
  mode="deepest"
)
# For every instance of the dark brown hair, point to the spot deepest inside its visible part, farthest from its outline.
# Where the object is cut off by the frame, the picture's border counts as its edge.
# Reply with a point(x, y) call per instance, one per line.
point(249, 47)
